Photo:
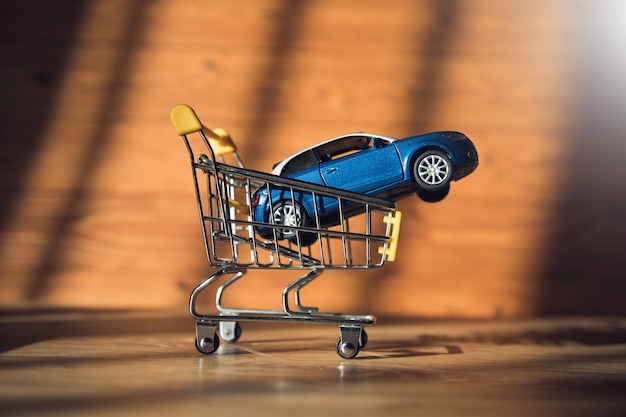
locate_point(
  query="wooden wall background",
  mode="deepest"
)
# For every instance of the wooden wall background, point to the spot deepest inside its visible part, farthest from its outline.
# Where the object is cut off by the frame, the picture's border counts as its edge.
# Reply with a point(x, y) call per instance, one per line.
point(97, 208)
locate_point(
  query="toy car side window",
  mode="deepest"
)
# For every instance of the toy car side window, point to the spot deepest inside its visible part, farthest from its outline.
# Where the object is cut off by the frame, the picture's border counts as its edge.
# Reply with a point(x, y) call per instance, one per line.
point(304, 160)
point(380, 143)
point(343, 147)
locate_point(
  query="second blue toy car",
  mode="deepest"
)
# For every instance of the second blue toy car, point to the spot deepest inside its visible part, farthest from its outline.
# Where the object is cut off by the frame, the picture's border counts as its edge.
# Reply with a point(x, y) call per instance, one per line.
point(367, 164)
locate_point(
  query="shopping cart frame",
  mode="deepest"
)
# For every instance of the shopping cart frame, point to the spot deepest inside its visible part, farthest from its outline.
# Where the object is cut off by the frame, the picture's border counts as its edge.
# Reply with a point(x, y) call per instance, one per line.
point(224, 194)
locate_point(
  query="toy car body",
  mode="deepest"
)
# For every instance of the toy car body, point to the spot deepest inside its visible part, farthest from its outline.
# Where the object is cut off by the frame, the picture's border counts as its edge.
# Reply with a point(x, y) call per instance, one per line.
point(367, 164)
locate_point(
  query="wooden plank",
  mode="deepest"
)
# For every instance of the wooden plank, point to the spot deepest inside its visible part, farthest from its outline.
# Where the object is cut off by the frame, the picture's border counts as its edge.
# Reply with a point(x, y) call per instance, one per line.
point(76, 362)
point(97, 201)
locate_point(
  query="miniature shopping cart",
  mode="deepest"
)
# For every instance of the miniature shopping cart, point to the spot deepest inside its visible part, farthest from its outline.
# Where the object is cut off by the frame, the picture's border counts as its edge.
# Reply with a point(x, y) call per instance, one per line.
point(363, 236)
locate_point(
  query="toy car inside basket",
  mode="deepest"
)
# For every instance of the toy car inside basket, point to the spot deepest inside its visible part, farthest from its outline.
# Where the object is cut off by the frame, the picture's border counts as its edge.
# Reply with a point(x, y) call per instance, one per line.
point(362, 235)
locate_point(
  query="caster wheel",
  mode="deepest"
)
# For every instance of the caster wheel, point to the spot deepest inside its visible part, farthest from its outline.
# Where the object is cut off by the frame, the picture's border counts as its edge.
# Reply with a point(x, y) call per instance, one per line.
point(230, 331)
point(347, 350)
point(363, 340)
point(207, 346)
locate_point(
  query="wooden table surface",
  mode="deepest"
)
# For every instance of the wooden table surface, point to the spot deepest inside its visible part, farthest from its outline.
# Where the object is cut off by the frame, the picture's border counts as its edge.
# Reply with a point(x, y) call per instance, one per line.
point(143, 363)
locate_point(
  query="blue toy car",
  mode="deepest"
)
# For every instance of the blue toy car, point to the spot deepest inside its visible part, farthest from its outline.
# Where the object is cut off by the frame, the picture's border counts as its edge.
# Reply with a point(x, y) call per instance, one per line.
point(367, 164)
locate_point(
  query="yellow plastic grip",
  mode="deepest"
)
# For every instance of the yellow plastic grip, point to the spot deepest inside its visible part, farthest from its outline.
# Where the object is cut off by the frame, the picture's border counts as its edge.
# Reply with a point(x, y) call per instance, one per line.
point(240, 207)
point(185, 120)
point(220, 141)
point(392, 246)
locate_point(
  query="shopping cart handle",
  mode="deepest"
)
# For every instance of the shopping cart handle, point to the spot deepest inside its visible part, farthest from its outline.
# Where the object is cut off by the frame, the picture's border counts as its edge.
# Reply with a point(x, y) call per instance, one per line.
point(186, 121)
point(392, 246)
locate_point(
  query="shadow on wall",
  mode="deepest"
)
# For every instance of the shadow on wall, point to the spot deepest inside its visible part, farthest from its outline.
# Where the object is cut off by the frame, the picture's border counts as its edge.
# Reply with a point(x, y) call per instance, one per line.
point(584, 262)
point(266, 102)
point(42, 38)
point(39, 48)
point(433, 48)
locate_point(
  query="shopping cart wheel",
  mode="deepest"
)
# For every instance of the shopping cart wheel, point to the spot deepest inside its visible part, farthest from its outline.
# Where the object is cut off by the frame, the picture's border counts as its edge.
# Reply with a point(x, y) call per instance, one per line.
point(230, 331)
point(363, 341)
point(350, 341)
point(207, 346)
point(346, 350)
point(207, 340)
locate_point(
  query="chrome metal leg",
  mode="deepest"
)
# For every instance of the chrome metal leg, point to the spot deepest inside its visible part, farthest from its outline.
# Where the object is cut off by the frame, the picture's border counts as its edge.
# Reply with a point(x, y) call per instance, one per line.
point(296, 286)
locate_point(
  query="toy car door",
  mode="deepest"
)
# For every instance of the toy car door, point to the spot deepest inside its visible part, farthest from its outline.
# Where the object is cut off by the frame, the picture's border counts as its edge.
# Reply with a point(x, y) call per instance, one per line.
point(362, 170)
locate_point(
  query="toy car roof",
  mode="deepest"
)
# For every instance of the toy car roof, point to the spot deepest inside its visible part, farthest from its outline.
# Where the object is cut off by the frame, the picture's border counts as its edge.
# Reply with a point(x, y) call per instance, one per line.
point(357, 144)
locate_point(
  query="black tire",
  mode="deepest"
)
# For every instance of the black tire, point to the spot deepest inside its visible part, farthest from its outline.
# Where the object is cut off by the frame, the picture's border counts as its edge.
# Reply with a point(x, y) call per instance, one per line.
point(364, 339)
point(432, 170)
point(433, 196)
point(306, 239)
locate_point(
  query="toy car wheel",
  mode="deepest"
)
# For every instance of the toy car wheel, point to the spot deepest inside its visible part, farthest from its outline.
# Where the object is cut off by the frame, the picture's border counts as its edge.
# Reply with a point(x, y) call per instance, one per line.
point(432, 170)
point(433, 196)
point(288, 213)
point(306, 239)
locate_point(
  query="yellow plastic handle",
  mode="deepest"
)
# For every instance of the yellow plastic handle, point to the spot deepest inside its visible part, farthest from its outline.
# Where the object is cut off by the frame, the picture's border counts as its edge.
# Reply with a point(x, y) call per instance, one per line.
point(220, 140)
point(186, 121)
point(240, 207)
point(392, 246)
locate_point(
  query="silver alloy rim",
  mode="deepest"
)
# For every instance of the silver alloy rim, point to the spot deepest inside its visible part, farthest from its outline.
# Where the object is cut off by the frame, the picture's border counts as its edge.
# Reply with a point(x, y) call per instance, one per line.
point(433, 169)
point(287, 215)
